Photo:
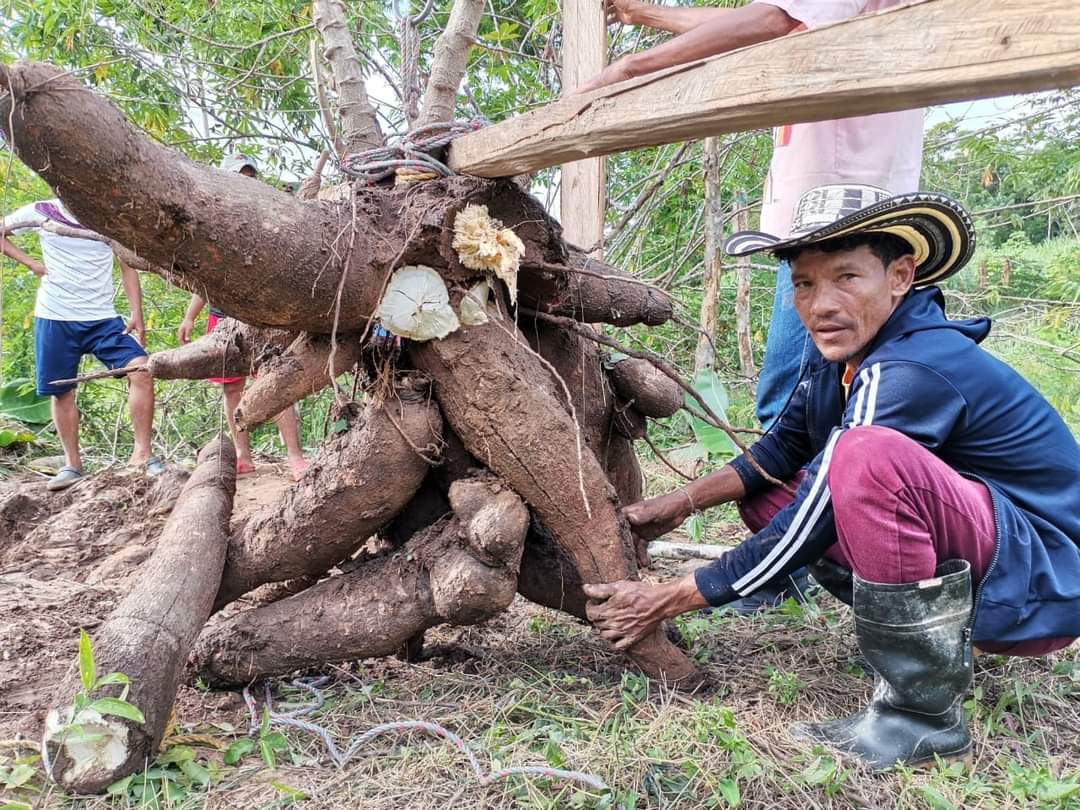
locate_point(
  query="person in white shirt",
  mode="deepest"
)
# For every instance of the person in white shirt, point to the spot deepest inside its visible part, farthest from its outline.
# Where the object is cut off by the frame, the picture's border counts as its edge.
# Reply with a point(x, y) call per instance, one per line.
point(73, 316)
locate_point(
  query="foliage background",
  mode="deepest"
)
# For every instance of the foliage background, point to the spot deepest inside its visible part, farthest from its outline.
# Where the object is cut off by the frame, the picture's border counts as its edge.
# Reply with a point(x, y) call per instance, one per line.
point(210, 78)
point(213, 76)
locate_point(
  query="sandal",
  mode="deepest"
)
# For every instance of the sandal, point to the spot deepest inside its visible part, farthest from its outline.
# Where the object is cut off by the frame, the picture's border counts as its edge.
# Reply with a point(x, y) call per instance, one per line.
point(64, 478)
point(154, 467)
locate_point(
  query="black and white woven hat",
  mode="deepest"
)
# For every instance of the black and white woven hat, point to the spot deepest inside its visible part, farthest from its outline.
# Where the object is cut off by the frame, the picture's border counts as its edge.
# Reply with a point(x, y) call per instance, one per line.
point(938, 229)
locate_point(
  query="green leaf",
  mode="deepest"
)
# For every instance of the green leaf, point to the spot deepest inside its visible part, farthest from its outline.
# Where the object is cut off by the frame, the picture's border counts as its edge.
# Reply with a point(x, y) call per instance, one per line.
point(176, 754)
point(112, 679)
point(119, 708)
point(820, 771)
point(712, 391)
point(15, 806)
point(729, 792)
point(10, 436)
point(267, 752)
point(554, 754)
point(289, 791)
point(1056, 791)
point(19, 776)
point(120, 786)
point(238, 750)
point(935, 798)
point(87, 668)
point(196, 773)
point(19, 401)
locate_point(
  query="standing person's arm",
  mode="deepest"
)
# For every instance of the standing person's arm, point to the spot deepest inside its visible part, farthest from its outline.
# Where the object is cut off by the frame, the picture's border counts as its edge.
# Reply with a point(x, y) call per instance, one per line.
point(133, 290)
point(187, 326)
point(11, 251)
point(18, 221)
point(737, 28)
point(676, 19)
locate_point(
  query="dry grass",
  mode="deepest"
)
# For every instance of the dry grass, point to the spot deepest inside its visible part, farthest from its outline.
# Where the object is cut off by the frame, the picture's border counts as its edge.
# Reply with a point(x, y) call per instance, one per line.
point(534, 687)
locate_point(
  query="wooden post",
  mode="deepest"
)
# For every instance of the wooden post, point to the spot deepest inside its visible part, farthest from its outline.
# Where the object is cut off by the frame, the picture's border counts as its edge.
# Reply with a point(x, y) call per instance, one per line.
point(909, 56)
point(742, 293)
point(582, 196)
point(704, 356)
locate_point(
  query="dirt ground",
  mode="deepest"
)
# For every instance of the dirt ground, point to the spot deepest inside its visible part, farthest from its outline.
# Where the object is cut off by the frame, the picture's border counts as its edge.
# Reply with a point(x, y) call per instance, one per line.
point(65, 561)
point(529, 687)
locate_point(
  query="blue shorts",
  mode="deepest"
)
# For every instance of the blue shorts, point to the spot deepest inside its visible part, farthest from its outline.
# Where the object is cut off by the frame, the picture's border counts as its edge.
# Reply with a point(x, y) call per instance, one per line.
point(60, 345)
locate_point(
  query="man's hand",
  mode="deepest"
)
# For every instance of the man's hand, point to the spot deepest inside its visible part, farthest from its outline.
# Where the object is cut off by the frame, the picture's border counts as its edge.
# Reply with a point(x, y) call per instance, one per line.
point(138, 328)
point(614, 73)
point(625, 612)
point(37, 268)
point(187, 327)
point(654, 517)
point(621, 11)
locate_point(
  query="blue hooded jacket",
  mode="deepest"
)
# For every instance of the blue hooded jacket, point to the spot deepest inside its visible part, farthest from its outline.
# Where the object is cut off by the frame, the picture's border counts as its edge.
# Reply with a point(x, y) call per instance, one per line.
point(926, 377)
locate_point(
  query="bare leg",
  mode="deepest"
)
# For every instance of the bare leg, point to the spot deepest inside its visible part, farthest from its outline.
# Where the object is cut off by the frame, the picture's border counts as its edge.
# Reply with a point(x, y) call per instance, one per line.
point(233, 391)
point(65, 414)
point(141, 407)
point(289, 427)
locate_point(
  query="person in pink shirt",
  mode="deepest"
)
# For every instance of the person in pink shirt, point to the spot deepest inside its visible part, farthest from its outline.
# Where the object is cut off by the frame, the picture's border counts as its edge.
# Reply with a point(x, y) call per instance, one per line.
point(883, 151)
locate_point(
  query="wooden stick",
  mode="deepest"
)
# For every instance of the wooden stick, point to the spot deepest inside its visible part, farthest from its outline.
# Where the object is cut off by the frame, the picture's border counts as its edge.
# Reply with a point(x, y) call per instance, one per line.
point(127, 256)
point(101, 375)
point(686, 551)
point(911, 56)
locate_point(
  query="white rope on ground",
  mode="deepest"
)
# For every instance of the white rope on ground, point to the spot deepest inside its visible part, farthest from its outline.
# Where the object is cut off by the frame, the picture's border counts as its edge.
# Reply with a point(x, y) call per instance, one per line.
point(341, 758)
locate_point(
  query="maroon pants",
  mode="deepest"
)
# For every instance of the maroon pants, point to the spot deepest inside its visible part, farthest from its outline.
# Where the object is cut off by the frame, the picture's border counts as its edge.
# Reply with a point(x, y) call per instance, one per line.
point(899, 511)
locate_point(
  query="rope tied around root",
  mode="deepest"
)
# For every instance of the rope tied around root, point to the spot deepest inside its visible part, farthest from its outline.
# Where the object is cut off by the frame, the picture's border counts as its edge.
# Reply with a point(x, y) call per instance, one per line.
point(294, 719)
point(417, 153)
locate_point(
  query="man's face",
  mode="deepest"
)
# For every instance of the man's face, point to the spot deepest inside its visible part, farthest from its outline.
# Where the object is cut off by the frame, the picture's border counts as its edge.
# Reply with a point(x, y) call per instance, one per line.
point(844, 298)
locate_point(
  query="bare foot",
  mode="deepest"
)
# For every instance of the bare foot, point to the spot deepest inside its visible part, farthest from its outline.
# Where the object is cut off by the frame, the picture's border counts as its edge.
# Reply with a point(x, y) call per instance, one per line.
point(299, 467)
point(244, 467)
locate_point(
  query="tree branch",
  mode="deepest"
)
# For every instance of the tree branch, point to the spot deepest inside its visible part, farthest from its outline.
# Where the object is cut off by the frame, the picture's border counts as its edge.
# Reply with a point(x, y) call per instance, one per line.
point(359, 126)
point(448, 67)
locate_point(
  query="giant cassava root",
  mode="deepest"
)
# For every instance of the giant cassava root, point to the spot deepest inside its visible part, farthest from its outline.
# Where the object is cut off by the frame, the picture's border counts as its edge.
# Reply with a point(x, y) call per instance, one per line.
point(149, 634)
point(459, 570)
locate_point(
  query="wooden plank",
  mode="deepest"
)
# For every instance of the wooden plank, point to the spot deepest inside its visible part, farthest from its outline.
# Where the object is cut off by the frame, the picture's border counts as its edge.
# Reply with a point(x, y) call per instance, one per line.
point(932, 52)
point(582, 197)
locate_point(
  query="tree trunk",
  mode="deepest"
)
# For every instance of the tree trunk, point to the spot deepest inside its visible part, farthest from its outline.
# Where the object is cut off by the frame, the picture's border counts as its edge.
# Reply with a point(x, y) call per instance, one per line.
point(149, 634)
point(500, 399)
point(449, 62)
point(704, 355)
point(359, 125)
point(459, 570)
point(212, 231)
point(234, 349)
point(301, 370)
point(742, 297)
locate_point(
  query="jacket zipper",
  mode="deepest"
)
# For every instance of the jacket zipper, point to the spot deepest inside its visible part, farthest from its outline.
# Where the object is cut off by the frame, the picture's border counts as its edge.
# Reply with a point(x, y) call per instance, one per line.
point(989, 570)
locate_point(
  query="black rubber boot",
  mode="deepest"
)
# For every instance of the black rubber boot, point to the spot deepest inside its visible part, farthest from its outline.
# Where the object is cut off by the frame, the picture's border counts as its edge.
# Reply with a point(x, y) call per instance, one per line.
point(833, 577)
point(916, 638)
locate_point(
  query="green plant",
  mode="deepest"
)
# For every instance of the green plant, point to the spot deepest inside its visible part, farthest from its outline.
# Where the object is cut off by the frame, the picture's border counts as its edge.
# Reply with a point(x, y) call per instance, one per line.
point(84, 699)
point(19, 402)
point(785, 687)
